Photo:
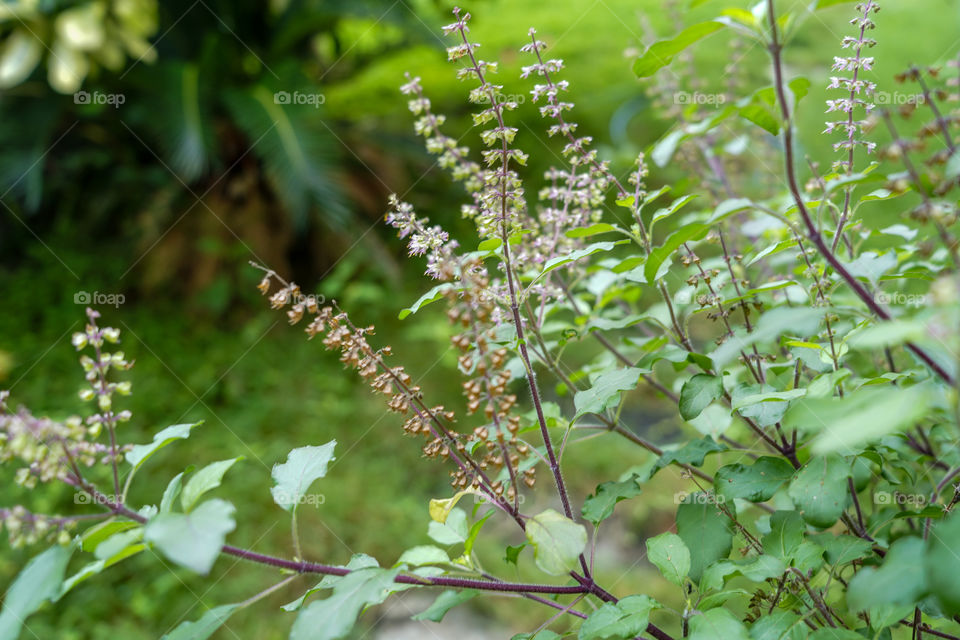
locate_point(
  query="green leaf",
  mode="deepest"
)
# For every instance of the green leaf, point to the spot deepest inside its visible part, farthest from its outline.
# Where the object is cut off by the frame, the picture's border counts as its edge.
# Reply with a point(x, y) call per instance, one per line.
point(436, 293)
point(444, 602)
point(657, 259)
point(557, 542)
point(335, 616)
point(662, 52)
point(779, 625)
point(605, 392)
point(624, 620)
point(834, 633)
point(866, 415)
point(942, 562)
point(192, 540)
point(669, 210)
point(206, 626)
point(899, 580)
point(786, 535)
point(424, 554)
point(512, 553)
point(716, 624)
point(761, 116)
point(842, 549)
point(698, 392)
point(819, 490)
point(706, 532)
point(171, 493)
point(800, 87)
point(573, 256)
point(38, 582)
point(891, 333)
point(453, 531)
point(793, 321)
point(204, 480)
point(599, 506)
point(303, 467)
point(592, 230)
point(668, 553)
point(141, 452)
point(756, 482)
point(692, 453)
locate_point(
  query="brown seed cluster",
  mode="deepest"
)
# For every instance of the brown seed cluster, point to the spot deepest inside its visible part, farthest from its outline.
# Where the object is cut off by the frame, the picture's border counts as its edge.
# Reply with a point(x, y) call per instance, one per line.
point(494, 443)
point(339, 333)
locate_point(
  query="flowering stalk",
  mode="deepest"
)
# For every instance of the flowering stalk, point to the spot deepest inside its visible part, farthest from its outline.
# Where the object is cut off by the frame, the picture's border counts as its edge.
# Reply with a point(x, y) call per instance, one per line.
point(812, 232)
point(509, 198)
point(855, 86)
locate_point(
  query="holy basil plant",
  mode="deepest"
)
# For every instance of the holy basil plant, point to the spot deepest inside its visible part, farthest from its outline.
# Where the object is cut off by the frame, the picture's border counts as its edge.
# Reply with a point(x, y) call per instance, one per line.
point(797, 325)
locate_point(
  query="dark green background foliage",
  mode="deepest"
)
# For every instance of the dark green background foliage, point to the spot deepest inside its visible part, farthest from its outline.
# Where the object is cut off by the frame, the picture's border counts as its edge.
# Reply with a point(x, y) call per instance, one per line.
point(166, 197)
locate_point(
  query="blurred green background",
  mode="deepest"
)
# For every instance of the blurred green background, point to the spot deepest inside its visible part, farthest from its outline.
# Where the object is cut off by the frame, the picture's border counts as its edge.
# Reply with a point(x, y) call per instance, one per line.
point(147, 149)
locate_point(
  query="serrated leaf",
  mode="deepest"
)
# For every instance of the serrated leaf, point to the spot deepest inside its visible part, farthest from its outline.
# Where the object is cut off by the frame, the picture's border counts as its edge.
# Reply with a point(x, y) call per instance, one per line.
point(606, 389)
point(942, 562)
point(205, 626)
point(436, 293)
point(847, 424)
point(756, 482)
point(662, 52)
point(453, 531)
point(192, 540)
point(557, 541)
point(304, 465)
point(599, 507)
point(668, 553)
point(899, 580)
point(38, 582)
point(715, 624)
point(204, 480)
point(707, 533)
point(819, 490)
point(141, 452)
point(698, 392)
point(335, 616)
point(786, 534)
point(625, 619)
point(592, 230)
point(424, 554)
point(444, 602)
